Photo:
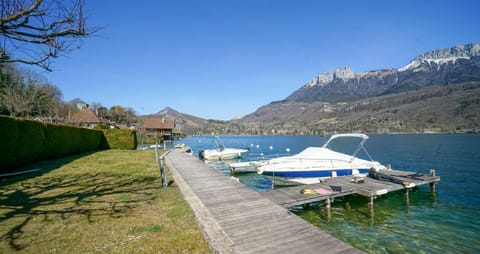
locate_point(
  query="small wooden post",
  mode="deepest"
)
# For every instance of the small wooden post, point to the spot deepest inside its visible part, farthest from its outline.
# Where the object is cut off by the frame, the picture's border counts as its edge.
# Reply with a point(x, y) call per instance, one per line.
point(156, 153)
point(371, 211)
point(328, 204)
point(432, 184)
point(163, 173)
point(328, 209)
point(406, 197)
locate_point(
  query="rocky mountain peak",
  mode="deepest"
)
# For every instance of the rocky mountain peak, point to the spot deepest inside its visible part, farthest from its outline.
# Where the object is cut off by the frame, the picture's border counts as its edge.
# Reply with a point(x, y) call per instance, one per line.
point(462, 51)
point(167, 112)
point(441, 56)
point(327, 77)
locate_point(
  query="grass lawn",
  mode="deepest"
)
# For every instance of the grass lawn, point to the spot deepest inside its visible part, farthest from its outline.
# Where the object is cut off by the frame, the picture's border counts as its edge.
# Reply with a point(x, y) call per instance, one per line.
point(103, 202)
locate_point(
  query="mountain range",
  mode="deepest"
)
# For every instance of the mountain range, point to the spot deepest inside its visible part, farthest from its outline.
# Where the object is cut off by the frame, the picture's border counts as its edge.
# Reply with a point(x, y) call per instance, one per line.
point(439, 67)
point(436, 91)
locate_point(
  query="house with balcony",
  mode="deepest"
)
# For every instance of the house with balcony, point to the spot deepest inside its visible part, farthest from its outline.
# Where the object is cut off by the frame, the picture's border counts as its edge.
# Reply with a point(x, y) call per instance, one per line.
point(159, 128)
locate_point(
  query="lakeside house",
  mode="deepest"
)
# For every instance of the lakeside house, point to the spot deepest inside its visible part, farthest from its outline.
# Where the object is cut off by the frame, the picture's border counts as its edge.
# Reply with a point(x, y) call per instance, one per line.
point(159, 127)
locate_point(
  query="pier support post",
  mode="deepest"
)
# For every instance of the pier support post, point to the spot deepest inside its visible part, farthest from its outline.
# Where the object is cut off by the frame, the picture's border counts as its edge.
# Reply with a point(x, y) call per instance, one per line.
point(328, 209)
point(371, 211)
point(328, 204)
point(406, 197)
point(432, 184)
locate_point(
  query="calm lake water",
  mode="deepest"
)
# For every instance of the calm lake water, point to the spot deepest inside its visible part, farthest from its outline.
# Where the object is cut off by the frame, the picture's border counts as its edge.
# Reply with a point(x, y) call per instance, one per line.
point(445, 222)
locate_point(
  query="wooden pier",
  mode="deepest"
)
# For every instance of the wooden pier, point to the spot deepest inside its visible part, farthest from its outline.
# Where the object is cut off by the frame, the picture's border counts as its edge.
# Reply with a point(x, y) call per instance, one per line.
point(392, 180)
point(237, 219)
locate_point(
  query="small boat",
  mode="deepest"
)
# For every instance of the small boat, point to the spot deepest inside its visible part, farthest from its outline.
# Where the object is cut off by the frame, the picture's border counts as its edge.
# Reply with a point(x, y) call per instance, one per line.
point(155, 146)
point(315, 163)
point(221, 153)
point(182, 145)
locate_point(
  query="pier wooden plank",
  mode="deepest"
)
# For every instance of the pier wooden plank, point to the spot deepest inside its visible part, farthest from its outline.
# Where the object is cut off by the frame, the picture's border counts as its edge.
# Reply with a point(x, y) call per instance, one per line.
point(291, 196)
point(236, 219)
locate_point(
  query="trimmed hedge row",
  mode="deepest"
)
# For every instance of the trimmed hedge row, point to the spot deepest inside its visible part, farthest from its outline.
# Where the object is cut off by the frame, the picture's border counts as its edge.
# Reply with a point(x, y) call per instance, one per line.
point(64, 140)
point(119, 139)
point(25, 141)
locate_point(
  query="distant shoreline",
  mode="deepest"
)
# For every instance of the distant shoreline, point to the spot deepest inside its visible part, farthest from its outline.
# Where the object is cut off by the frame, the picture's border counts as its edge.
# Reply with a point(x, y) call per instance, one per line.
point(329, 134)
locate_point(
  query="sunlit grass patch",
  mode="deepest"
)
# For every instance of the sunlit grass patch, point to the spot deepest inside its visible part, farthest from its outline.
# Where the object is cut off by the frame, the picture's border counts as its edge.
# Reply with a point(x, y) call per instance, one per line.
point(105, 202)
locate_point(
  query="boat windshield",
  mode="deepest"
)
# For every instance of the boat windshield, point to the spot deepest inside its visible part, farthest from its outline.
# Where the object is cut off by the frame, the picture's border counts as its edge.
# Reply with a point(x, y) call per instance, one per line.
point(218, 143)
point(348, 137)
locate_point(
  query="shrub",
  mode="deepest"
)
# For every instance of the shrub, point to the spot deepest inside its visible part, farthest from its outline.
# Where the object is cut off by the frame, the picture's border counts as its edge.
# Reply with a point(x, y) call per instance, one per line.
point(119, 139)
point(25, 141)
point(21, 141)
point(9, 136)
point(102, 126)
point(31, 142)
point(64, 140)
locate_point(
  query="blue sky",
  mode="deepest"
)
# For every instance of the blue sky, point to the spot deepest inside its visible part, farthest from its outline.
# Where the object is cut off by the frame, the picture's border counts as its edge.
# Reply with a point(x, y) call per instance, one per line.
point(223, 59)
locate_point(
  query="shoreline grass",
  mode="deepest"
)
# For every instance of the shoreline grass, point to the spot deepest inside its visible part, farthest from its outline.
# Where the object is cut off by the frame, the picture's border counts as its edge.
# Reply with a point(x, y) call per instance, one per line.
point(103, 202)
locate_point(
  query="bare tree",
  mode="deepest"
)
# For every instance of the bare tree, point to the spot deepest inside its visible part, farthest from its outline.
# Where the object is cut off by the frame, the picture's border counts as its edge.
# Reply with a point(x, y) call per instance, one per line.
point(94, 105)
point(48, 100)
point(17, 93)
point(35, 32)
point(28, 94)
point(122, 115)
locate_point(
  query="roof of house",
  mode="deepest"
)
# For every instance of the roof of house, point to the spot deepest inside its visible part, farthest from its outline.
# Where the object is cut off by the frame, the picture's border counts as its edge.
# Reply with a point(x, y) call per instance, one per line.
point(121, 126)
point(158, 123)
point(86, 115)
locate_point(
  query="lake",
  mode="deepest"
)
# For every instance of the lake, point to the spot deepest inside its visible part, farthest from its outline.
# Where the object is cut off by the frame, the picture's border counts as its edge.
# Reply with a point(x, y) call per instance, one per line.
point(443, 222)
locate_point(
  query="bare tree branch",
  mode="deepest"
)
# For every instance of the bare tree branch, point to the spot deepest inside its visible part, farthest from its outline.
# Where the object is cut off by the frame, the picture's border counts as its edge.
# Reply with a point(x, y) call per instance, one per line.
point(35, 32)
point(11, 15)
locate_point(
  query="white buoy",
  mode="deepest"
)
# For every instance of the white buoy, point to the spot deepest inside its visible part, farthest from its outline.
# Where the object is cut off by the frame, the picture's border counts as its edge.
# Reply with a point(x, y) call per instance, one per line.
point(258, 146)
point(288, 150)
point(270, 147)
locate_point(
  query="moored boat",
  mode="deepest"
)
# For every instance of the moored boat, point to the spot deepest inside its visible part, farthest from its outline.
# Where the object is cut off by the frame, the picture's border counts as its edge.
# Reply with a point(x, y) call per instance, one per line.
point(181, 145)
point(221, 152)
point(315, 163)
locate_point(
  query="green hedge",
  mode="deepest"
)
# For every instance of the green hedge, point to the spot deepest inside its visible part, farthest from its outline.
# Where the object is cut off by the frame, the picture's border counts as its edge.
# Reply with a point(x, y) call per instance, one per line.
point(63, 140)
point(25, 141)
point(119, 139)
point(21, 141)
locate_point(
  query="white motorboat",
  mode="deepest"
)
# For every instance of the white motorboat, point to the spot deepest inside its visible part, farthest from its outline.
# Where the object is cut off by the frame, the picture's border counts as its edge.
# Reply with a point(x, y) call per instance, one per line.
point(221, 153)
point(315, 163)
